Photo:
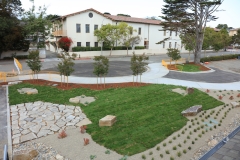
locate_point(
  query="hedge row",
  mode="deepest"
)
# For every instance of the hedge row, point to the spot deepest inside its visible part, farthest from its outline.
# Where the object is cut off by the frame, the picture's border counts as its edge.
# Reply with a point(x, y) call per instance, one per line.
point(219, 58)
point(17, 57)
point(77, 49)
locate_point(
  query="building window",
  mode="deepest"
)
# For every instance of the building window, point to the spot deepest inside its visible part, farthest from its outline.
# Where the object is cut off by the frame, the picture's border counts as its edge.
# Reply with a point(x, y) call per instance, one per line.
point(96, 44)
point(78, 28)
point(176, 33)
point(170, 45)
point(79, 44)
point(175, 46)
point(139, 31)
point(95, 27)
point(164, 33)
point(87, 44)
point(170, 33)
point(87, 28)
point(163, 45)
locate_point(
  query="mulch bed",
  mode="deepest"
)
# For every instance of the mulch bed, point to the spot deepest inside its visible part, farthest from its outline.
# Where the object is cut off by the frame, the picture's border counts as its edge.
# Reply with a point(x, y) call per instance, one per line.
point(75, 85)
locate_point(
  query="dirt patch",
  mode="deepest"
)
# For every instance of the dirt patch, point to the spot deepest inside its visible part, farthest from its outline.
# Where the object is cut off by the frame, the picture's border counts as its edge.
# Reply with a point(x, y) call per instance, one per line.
point(64, 86)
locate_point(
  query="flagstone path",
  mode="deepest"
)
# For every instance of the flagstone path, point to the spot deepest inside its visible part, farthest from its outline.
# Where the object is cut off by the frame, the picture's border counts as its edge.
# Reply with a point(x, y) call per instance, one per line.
point(33, 120)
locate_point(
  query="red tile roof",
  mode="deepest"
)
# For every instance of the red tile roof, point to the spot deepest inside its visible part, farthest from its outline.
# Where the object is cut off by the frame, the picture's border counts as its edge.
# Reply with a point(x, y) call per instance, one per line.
point(118, 18)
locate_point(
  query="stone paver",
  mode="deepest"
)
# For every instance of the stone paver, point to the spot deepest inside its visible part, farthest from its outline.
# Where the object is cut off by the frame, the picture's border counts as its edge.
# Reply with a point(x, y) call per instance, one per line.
point(34, 120)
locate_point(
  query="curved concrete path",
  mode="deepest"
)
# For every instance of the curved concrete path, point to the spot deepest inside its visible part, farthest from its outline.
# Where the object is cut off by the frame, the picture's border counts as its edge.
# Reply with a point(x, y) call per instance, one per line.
point(155, 74)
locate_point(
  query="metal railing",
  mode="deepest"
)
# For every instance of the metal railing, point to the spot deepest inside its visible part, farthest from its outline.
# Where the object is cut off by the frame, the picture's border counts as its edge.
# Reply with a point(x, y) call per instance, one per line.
point(5, 153)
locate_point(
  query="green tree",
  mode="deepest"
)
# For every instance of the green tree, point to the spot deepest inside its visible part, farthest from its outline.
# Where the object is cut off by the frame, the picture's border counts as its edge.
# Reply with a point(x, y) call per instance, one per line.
point(188, 17)
point(222, 26)
point(109, 34)
point(11, 31)
point(209, 38)
point(225, 38)
point(236, 38)
point(101, 66)
point(138, 65)
point(37, 25)
point(188, 41)
point(174, 54)
point(65, 67)
point(34, 63)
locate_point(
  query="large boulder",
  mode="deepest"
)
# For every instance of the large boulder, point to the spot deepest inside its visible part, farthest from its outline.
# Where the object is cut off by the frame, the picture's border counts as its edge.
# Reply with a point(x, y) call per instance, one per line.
point(192, 111)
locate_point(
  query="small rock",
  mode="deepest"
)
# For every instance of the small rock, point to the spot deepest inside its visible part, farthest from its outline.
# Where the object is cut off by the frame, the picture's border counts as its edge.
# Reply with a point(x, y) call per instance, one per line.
point(212, 143)
point(59, 157)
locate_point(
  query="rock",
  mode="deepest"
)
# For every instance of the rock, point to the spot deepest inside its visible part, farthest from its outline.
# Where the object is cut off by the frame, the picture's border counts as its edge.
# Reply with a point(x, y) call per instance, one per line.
point(108, 120)
point(33, 154)
point(189, 90)
point(235, 104)
point(21, 157)
point(212, 143)
point(61, 107)
point(28, 137)
point(59, 157)
point(192, 111)
point(74, 100)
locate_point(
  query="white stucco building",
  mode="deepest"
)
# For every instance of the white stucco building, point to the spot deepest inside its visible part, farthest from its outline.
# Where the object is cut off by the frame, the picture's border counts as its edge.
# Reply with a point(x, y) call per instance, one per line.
point(80, 28)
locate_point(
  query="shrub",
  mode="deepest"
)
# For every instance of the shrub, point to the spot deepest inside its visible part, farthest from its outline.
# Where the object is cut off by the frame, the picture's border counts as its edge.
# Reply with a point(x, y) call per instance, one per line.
point(139, 47)
point(164, 144)
point(150, 153)
point(189, 148)
point(174, 147)
point(62, 134)
point(143, 156)
point(179, 154)
point(219, 58)
point(193, 142)
point(188, 137)
point(174, 138)
point(161, 155)
point(200, 135)
point(167, 151)
point(65, 43)
point(179, 145)
point(184, 151)
point(158, 148)
point(107, 152)
point(170, 141)
point(171, 158)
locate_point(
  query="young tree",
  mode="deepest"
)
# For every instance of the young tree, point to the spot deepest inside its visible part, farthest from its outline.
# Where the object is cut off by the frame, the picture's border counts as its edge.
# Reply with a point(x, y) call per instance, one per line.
point(209, 38)
point(65, 67)
point(34, 63)
point(128, 38)
point(226, 39)
point(109, 34)
point(188, 17)
point(138, 65)
point(174, 54)
point(188, 41)
point(101, 66)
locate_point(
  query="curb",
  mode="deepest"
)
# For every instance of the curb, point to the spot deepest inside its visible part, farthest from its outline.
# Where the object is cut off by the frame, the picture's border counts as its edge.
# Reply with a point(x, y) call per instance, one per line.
point(9, 126)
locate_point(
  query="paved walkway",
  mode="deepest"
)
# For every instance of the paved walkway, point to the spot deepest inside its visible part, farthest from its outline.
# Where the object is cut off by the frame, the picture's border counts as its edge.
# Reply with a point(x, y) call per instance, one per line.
point(230, 151)
point(3, 120)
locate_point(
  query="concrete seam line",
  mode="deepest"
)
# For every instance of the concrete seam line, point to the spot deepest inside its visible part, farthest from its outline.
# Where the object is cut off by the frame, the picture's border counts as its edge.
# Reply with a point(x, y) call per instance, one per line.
point(9, 126)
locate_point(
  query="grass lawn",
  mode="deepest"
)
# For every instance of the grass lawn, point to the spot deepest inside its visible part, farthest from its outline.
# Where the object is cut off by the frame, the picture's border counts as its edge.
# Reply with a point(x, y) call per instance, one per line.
point(145, 115)
point(189, 68)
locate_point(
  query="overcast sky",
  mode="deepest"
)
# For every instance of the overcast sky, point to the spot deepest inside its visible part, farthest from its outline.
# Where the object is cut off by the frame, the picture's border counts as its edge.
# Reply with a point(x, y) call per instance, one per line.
point(135, 8)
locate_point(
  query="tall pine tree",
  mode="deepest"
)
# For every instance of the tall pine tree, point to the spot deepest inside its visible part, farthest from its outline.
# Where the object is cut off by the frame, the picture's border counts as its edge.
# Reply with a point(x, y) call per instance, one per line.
point(189, 17)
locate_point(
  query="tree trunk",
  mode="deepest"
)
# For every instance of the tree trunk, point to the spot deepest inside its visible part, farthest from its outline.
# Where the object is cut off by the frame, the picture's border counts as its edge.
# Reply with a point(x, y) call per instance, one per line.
point(127, 52)
point(111, 52)
point(198, 49)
